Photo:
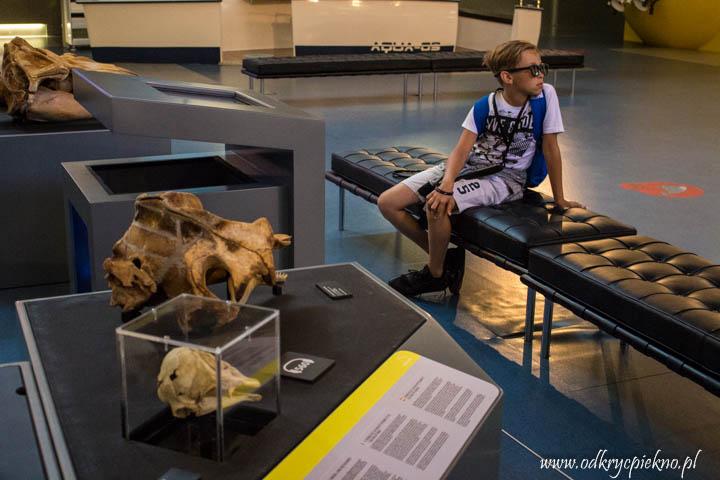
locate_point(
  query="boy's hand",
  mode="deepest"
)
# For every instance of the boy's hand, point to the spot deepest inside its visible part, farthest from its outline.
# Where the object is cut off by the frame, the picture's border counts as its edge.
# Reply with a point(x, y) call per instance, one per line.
point(438, 204)
point(565, 204)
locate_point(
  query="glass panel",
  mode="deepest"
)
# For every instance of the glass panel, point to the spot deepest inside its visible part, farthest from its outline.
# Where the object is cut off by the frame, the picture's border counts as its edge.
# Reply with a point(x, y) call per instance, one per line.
point(200, 375)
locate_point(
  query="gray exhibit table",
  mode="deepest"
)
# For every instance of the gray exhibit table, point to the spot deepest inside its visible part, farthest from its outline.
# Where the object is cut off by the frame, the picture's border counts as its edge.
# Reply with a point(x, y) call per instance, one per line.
point(28, 451)
point(245, 122)
point(71, 343)
point(33, 239)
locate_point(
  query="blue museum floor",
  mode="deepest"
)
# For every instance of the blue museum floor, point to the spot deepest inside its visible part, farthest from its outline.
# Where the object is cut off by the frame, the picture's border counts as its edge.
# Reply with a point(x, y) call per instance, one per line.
point(638, 115)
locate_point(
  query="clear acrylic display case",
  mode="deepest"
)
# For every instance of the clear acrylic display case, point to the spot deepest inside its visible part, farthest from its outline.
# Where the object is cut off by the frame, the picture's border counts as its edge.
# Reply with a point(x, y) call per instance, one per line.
point(216, 364)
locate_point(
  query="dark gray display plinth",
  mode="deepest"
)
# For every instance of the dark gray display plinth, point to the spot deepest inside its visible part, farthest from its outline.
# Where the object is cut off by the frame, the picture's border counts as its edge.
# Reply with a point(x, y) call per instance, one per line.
point(33, 240)
point(134, 117)
point(100, 197)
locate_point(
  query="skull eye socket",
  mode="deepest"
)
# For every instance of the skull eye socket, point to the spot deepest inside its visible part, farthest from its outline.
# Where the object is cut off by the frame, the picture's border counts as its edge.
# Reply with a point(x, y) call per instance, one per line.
point(173, 376)
point(137, 262)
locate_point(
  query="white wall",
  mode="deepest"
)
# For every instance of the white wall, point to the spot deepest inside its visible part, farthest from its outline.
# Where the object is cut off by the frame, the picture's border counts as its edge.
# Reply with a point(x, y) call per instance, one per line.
point(265, 24)
point(362, 22)
point(481, 34)
point(484, 34)
point(153, 24)
point(526, 25)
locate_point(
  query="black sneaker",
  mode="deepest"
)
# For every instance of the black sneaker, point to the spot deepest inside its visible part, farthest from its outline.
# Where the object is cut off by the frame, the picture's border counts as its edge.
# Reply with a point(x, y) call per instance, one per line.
point(416, 282)
point(454, 266)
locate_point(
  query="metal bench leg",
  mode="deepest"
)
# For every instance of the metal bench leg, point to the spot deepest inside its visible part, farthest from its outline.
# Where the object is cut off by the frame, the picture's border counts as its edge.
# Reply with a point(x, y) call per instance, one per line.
point(546, 328)
point(262, 86)
point(435, 86)
point(341, 210)
point(529, 315)
point(251, 82)
point(572, 88)
point(420, 86)
point(405, 81)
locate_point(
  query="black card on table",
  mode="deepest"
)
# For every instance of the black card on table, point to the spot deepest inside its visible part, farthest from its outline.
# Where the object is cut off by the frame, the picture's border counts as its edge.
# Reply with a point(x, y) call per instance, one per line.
point(333, 290)
point(303, 366)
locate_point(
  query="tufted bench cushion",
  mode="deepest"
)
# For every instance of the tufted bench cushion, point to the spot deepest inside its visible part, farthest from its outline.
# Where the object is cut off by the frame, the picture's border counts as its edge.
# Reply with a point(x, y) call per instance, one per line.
point(376, 169)
point(507, 230)
point(668, 295)
point(318, 65)
point(563, 58)
point(511, 229)
point(377, 63)
point(468, 61)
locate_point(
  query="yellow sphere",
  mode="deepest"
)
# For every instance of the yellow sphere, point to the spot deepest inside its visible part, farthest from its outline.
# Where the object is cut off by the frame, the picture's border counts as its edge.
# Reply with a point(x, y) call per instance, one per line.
point(677, 23)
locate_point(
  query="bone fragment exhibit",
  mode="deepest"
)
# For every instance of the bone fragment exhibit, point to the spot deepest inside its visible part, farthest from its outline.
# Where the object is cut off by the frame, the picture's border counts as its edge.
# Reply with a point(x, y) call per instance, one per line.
point(174, 246)
point(36, 84)
point(187, 383)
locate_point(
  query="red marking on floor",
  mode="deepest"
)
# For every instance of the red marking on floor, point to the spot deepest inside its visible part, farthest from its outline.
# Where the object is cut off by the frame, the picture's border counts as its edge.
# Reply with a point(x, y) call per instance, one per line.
point(665, 189)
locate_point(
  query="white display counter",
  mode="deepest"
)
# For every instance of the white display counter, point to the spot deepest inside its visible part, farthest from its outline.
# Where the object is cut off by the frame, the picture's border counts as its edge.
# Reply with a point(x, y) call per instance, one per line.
point(160, 31)
point(478, 31)
point(363, 26)
point(184, 31)
point(198, 31)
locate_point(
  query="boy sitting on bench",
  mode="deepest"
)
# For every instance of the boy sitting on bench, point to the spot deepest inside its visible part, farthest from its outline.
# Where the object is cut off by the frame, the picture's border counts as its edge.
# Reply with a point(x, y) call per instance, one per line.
point(508, 143)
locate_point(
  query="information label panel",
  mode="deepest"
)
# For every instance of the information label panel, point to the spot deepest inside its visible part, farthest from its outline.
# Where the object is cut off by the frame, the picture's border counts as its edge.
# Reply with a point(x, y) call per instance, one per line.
point(410, 420)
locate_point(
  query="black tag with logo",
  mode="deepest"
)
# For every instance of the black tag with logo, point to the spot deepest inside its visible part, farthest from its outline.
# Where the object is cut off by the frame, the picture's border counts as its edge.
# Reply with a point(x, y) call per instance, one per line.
point(333, 290)
point(303, 366)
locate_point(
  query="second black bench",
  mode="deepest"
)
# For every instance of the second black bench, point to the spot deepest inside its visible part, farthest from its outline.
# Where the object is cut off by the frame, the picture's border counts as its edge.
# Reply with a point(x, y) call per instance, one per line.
point(262, 68)
point(661, 299)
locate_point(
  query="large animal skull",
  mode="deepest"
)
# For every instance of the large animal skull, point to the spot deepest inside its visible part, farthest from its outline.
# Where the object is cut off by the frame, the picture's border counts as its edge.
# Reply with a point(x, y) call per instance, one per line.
point(36, 84)
point(174, 246)
point(187, 382)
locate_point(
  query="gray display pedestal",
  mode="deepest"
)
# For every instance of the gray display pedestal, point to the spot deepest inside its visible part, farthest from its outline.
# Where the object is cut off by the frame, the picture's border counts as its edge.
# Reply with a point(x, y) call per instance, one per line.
point(33, 239)
point(242, 121)
point(100, 197)
point(136, 116)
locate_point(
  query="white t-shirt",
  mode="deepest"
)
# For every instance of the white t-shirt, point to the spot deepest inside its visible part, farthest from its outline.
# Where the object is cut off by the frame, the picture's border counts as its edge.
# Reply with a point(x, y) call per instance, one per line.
point(490, 145)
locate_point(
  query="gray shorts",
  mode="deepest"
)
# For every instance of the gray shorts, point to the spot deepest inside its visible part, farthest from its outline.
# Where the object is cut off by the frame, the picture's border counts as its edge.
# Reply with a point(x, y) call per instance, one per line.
point(504, 186)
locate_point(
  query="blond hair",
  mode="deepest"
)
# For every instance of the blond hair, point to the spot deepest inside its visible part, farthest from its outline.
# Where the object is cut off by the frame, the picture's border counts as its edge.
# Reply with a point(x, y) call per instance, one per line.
point(506, 56)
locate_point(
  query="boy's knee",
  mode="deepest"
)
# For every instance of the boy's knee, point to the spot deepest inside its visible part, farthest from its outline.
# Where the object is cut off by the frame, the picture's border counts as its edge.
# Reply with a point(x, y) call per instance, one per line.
point(435, 217)
point(385, 204)
point(431, 215)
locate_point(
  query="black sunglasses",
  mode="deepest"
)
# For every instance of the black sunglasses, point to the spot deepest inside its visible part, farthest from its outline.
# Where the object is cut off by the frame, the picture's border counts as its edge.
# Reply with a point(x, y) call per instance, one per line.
point(535, 70)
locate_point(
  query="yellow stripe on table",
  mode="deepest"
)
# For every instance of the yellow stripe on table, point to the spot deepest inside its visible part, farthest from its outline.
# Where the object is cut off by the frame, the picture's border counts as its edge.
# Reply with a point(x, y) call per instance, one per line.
point(301, 461)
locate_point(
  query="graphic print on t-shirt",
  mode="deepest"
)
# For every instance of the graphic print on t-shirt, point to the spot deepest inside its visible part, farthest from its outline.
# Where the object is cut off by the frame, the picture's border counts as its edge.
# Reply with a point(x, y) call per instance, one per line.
point(491, 145)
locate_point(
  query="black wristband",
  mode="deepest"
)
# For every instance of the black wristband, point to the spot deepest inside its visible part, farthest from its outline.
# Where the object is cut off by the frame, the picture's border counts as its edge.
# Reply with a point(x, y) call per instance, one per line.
point(443, 192)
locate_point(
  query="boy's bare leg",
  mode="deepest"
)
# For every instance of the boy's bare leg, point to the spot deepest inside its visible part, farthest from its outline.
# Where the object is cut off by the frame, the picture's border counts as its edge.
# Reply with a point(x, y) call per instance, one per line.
point(439, 229)
point(392, 204)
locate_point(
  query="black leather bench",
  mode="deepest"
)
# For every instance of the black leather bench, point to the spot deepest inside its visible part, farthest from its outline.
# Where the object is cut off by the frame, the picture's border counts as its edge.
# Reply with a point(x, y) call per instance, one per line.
point(660, 299)
point(503, 234)
point(391, 63)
